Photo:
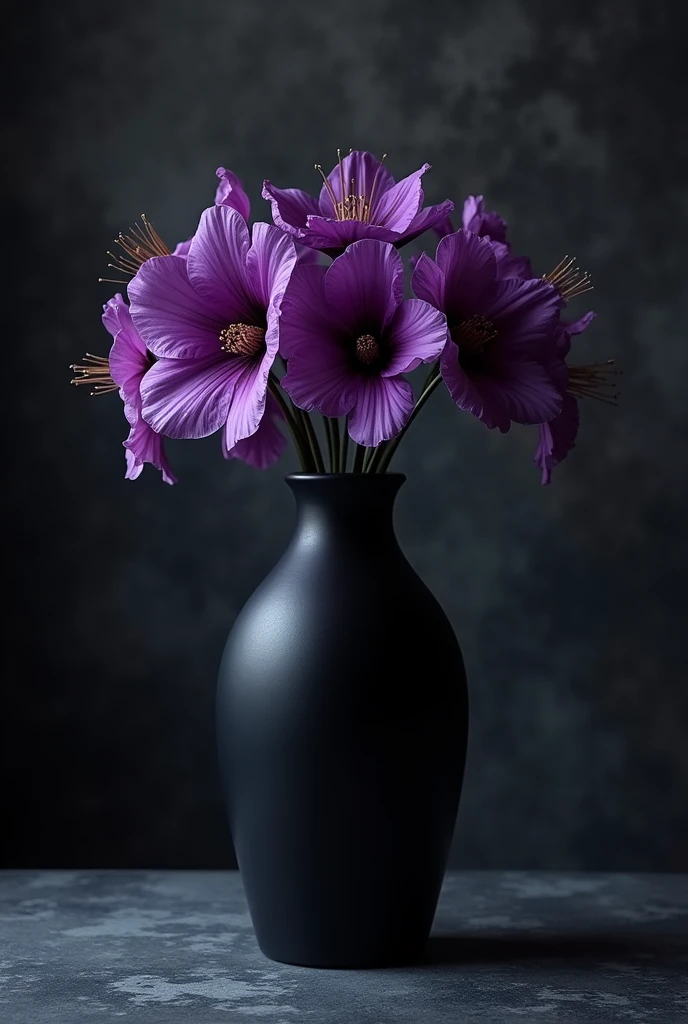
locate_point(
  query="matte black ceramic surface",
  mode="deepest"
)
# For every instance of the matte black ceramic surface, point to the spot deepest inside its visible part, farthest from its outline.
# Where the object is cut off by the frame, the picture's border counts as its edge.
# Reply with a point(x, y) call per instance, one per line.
point(342, 720)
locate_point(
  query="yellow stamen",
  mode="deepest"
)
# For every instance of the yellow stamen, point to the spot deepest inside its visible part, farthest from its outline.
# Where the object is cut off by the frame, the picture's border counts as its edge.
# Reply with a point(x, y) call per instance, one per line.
point(596, 380)
point(367, 349)
point(351, 205)
point(95, 371)
point(473, 334)
point(568, 279)
point(242, 340)
point(140, 245)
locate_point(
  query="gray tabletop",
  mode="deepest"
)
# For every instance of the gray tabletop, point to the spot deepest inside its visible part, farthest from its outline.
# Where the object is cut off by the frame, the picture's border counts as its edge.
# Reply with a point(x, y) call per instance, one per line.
point(170, 947)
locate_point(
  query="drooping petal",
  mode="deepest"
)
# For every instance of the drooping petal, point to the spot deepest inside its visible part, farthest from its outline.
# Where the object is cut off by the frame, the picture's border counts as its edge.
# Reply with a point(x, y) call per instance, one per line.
point(305, 321)
point(145, 446)
point(321, 379)
point(365, 285)
point(217, 264)
point(113, 311)
point(383, 407)
point(428, 281)
point(230, 192)
point(129, 358)
point(557, 438)
point(264, 448)
point(461, 387)
point(332, 236)
point(290, 207)
point(426, 219)
point(574, 327)
point(248, 404)
point(368, 174)
point(168, 312)
point(470, 269)
point(396, 207)
point(269, 264)
point(417, 334)
point(523, 390)
point(190, 397)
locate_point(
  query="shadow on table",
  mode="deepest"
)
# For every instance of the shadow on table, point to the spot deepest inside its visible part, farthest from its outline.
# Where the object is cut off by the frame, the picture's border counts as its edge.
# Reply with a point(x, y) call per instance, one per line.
point(525, 947)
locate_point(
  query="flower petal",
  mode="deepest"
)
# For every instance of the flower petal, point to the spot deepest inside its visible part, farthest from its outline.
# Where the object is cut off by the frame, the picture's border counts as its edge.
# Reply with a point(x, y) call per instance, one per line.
point(509, 265)
point(425, 219)
point(129, 358)
point(364, 286)
point(190, 397)
point(230, 192)
point(145, 446)
point(428, 281)
point(168, 312)
point(461, 387)
point(248, 404)
point(290, 207)
point(305, 321)
point(383, 407)
point(267, 445)
point(486, 223)
point(525, 312)
point(470, 269)
point(333, 236)
point(368, 174)
point(269, 264)
point(522, 390)
point(182, 248)
point(396, 207)
point(217, 264)
point(417, 334)
point(321, 379)
point(557, 438)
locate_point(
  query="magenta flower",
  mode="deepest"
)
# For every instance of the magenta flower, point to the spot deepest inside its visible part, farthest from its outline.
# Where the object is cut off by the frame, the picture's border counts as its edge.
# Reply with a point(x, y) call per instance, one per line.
point(123, 370)
point(359, 199)
point(212, 320)
point(348, 334)
point(497, 361)
point(558, 437)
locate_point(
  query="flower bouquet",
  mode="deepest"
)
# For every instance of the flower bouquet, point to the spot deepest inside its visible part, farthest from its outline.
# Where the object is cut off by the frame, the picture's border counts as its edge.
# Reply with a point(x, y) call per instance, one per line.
point(249, 331)
point(342, 708)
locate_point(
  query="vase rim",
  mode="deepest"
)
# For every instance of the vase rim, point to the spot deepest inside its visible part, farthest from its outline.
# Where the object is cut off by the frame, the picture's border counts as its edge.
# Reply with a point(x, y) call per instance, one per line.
point(399, 477)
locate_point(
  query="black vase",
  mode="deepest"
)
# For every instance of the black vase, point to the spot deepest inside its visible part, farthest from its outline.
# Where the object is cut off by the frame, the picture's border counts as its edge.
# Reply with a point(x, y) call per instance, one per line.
point(342, 718)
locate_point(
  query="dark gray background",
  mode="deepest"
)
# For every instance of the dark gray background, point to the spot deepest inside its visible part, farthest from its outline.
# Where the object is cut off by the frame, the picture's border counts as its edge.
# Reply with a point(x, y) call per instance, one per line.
point(570, 602)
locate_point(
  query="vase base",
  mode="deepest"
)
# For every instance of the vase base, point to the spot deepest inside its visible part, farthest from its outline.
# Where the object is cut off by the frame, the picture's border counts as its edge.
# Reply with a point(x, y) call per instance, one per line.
point(394, 958)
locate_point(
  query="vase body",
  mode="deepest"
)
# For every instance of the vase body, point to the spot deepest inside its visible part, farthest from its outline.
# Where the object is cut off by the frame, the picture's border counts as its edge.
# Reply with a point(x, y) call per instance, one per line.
point(342, 719)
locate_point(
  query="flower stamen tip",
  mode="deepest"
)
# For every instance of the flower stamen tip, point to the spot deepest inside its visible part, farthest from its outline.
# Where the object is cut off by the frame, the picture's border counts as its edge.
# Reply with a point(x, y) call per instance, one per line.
point(242, 339)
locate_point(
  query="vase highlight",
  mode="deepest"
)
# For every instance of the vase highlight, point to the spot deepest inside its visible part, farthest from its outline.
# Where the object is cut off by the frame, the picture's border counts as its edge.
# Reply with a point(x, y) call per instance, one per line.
point(342, 717)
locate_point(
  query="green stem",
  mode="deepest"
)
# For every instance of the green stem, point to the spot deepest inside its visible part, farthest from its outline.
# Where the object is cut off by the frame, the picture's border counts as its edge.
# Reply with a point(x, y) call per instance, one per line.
point(370, 455)
point(385, 456)
point(292, 423)
point(313, 442)
point(334, 427)
point(359, 456)
point(330, 443)
point(344, 448)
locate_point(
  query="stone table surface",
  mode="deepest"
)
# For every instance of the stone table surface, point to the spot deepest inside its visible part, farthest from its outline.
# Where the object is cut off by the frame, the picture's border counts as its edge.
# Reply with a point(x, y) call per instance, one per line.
point(166, 947)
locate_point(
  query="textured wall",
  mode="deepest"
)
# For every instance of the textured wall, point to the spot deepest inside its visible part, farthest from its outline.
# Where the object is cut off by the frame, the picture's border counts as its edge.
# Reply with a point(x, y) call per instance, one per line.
point(570, 602)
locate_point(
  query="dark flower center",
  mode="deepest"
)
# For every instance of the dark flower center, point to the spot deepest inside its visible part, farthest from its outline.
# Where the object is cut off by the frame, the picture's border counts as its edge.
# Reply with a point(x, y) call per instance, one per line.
point(367, 349)
point(472, 336)
point(242, 340)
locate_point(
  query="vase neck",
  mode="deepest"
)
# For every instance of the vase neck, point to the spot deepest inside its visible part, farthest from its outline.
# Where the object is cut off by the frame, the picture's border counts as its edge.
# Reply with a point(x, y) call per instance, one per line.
point(358, 508)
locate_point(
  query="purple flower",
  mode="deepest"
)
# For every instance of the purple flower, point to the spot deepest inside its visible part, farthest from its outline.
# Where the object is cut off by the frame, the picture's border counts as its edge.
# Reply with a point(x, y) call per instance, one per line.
point(496, 362)
point(475, 218)
point(348, 334)
point(359, 199)
point(212, 320)
point(558, 437)
point(123, 370)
